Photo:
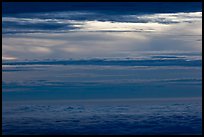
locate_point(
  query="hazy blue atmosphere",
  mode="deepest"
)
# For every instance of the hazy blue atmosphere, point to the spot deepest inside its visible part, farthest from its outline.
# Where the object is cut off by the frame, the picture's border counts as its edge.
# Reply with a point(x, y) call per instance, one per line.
point(102, 68)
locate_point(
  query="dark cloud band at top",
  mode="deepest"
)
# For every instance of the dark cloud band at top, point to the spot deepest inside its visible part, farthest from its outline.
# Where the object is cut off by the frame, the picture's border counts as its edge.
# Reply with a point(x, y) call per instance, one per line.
point(113, 7)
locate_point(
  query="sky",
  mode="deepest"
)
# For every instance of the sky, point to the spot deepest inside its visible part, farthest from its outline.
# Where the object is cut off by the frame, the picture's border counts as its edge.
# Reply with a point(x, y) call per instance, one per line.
point(75, 68)
point(101, 50)
point(40, 31)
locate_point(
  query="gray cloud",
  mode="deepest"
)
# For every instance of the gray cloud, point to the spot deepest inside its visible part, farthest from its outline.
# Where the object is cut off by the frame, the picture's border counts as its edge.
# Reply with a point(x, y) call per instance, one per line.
point(42, 36)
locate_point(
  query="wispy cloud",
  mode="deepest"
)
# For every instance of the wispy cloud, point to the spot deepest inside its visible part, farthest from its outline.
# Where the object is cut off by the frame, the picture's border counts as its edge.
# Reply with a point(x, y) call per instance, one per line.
point(66, 21)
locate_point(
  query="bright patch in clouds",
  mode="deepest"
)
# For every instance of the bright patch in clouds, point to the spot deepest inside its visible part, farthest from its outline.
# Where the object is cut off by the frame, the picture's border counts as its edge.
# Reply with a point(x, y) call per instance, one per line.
point(8, 58)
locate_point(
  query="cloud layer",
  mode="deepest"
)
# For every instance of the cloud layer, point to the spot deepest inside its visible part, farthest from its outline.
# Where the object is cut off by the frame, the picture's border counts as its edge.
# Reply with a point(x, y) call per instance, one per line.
point(78, 35)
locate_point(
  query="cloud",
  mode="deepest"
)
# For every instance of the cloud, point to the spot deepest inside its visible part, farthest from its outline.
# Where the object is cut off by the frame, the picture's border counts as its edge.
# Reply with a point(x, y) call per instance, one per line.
point(57, 36)
point(170, 18)
point(88, 21)
point(8, 58)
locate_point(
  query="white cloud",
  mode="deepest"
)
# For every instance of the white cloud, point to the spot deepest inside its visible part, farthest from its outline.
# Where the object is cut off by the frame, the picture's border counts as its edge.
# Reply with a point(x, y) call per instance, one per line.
point(171, 17)
point(8, 58)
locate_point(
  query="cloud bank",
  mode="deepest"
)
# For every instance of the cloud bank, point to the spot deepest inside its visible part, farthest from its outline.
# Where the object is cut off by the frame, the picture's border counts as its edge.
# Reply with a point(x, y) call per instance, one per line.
point(78, 35)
